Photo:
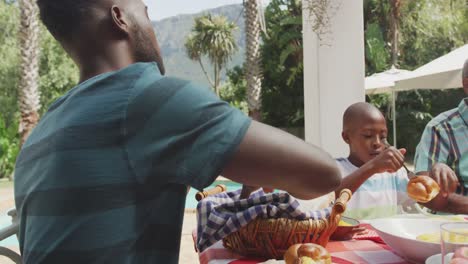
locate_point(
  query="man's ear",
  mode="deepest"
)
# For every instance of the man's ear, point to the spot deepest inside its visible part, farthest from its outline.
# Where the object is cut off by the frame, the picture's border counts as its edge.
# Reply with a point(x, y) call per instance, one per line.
point(345, 136)
point(121, 22)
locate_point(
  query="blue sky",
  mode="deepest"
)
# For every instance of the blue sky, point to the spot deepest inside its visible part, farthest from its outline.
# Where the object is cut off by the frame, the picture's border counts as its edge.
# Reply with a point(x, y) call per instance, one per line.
point(159, 9)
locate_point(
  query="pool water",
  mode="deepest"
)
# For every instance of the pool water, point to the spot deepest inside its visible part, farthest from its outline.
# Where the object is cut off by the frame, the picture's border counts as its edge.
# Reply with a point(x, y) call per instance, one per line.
point(5, 221)
point(191, 203)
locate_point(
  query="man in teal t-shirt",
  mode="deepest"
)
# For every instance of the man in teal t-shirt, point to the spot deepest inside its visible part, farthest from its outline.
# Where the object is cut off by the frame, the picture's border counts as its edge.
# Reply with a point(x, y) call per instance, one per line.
point(104, 175)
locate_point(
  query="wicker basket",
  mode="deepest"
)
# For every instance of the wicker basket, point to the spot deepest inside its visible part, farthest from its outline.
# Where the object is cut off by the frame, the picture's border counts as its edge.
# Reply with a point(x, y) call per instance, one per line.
point(271, 238)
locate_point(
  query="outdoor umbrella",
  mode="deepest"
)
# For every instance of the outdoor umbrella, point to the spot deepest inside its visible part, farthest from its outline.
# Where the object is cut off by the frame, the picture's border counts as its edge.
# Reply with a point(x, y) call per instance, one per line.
point(441, 73)
point(384, 82)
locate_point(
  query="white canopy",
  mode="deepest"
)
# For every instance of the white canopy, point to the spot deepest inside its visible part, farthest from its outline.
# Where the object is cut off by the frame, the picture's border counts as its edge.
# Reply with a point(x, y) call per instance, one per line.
point(441, 73)
point(384, 82)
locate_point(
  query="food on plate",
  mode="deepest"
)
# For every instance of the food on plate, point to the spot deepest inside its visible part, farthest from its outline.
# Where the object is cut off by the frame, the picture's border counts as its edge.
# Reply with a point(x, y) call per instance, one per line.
point(452, 238)
point(343, 223)
point(346, 229)
point(431, 237)
point(423, 189)
point(307, 254)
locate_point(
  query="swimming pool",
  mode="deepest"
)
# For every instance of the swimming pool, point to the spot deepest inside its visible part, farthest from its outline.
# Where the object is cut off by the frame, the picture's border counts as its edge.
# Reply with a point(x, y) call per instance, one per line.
point(191, 203)
point(5, 221)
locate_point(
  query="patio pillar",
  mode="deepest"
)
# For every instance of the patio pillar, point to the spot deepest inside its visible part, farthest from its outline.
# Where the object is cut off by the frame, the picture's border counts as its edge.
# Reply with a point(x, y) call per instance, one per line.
point(333, 74)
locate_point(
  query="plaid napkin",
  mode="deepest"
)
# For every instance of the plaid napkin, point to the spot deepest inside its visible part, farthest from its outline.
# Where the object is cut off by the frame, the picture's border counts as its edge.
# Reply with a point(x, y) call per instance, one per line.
point(225, 213)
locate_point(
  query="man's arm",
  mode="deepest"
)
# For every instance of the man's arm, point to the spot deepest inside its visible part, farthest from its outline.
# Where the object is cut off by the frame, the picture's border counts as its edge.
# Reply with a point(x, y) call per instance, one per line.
point(431, 157)
point(453, 203)
point(390, 160)
point(449, 201)
point(272, 158)
point(444, 176)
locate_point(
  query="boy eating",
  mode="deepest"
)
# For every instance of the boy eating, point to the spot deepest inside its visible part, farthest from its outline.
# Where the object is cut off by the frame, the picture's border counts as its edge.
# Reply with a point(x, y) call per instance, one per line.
point(372, 171)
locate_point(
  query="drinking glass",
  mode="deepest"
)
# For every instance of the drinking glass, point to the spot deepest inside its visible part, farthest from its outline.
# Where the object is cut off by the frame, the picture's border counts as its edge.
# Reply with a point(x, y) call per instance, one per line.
point(454, 242)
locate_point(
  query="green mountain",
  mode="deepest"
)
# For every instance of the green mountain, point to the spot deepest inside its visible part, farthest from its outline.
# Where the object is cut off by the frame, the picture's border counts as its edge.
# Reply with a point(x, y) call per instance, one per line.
point(172, 32)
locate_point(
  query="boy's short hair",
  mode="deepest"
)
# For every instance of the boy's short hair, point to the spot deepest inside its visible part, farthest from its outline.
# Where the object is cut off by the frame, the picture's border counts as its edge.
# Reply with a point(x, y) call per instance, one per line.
point(354, 111)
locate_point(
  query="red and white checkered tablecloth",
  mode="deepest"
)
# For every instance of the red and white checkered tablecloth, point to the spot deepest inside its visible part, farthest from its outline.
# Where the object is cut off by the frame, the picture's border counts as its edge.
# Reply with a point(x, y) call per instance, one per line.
point(365, 249)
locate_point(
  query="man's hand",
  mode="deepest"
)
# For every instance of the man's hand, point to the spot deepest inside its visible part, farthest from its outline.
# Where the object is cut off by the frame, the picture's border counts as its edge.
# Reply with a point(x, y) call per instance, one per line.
point(445, 177)
point(439, 203)
point(390, 160)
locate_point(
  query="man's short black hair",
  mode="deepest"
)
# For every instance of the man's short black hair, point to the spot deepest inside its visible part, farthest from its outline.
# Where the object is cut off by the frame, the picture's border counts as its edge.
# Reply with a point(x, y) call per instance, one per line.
point(63, 18)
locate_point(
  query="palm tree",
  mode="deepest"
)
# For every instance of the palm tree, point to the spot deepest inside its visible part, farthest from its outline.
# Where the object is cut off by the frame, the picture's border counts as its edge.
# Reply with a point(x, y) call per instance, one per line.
point(253, 73)
point(252, 67)
point(395, 6)
point(28, 89)
point(212, 36)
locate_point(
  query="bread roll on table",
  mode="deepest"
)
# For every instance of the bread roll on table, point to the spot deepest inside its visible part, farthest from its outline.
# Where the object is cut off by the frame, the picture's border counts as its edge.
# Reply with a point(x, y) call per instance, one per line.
point(307, 254)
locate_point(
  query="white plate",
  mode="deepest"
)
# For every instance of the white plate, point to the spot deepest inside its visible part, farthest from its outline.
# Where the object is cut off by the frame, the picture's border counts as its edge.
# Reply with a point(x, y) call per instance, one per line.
point(437, 259)
point(400, 234)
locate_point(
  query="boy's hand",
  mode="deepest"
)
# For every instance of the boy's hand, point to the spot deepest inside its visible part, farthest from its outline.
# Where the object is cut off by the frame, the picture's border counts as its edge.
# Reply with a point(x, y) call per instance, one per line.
point(445, 177)
point(390, 160)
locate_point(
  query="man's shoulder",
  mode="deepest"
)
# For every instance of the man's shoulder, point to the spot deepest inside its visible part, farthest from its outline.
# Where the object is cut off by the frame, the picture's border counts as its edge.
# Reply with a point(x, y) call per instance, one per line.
point(443, 118)
point(150, 77)
point(151, 84)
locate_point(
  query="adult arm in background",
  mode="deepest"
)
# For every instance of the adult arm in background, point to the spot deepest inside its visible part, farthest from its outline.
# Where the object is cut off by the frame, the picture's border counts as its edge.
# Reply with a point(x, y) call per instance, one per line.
point(390, 160)
point(272, 158)
point(430, 160)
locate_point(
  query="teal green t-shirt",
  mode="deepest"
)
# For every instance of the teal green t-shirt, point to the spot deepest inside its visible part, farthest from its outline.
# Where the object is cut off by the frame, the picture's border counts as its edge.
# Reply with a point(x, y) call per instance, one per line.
point(103, 177)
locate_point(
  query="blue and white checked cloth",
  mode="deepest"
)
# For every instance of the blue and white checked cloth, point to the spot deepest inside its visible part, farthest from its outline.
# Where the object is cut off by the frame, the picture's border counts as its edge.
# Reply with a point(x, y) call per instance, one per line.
point(224, 213)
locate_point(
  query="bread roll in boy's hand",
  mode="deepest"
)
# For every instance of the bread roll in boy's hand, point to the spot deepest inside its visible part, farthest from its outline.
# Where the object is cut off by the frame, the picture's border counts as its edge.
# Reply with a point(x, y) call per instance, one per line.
point(423, 189)
point(307, 254)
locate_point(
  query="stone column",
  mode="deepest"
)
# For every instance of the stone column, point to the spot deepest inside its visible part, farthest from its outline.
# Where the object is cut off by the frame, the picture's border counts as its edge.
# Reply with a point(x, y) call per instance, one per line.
point(333, 72)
